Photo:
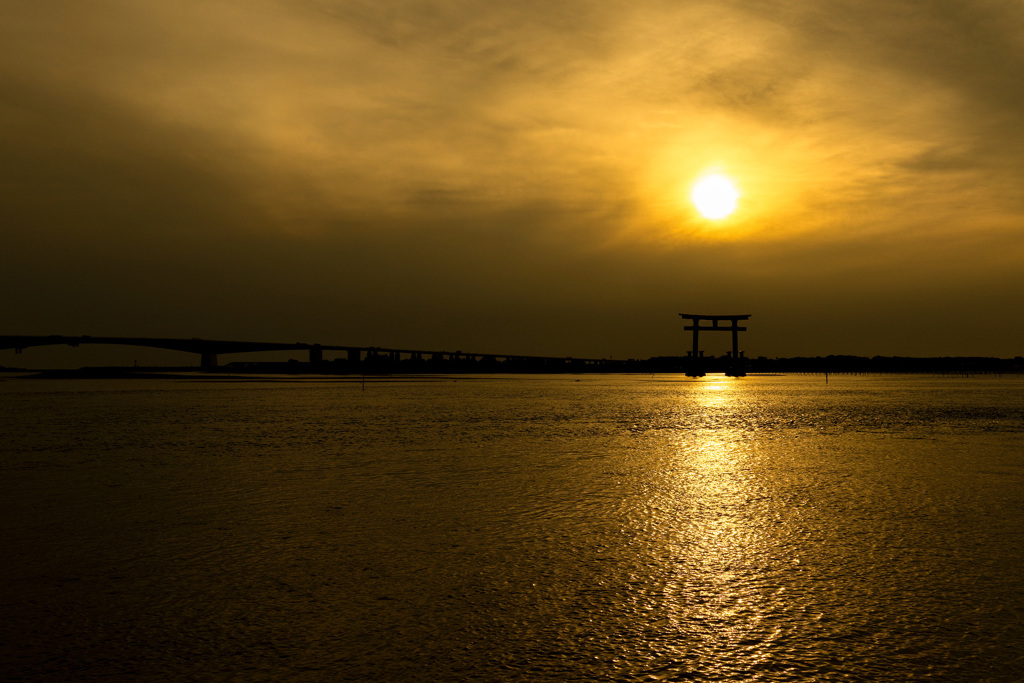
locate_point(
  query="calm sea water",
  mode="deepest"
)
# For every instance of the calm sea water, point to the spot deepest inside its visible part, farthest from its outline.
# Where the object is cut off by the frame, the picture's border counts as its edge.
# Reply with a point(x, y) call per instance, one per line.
point(558, 528)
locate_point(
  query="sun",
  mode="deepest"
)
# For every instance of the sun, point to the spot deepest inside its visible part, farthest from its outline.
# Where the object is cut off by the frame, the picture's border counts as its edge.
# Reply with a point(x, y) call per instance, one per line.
point(715, 196)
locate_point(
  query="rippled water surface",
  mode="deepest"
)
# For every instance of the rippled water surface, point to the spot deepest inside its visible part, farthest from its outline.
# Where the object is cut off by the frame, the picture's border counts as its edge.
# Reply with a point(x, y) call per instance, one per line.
point(554, 528)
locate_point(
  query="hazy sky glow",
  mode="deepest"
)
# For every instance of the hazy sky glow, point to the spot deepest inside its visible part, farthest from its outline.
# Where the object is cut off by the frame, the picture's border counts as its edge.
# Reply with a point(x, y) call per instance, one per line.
point(515, 177)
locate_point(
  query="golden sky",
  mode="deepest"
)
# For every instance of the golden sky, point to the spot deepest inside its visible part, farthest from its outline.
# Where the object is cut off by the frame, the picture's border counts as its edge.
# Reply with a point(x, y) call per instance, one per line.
point(515, 177)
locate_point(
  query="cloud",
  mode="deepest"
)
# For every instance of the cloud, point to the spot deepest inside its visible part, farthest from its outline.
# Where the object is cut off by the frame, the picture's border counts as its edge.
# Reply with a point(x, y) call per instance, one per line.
point(539, 151)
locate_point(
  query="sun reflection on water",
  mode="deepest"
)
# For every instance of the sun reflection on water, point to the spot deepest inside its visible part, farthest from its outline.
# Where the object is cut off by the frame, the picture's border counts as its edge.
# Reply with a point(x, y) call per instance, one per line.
point(722, 596)
point(717, 392)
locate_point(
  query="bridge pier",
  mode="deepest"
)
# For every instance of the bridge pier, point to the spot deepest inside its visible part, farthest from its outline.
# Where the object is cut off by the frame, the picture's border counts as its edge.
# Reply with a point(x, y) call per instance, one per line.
point(316, 355)
point(208, 360)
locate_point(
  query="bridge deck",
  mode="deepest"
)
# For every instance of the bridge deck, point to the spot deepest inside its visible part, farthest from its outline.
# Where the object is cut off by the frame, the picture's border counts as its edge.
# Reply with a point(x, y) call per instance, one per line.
point(209, 349)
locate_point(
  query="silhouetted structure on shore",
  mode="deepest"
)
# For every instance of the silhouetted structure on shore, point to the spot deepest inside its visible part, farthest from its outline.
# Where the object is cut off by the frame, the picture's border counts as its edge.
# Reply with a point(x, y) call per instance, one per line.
point(696, 356)
point(939, 365)
point(382, 361)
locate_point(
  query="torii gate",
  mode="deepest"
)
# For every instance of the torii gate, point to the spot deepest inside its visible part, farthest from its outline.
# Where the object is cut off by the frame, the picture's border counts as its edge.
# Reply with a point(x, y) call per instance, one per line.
point(736, 370)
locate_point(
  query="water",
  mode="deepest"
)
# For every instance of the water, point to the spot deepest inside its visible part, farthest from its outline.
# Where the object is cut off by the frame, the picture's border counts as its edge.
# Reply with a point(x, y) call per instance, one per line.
point(620, 528)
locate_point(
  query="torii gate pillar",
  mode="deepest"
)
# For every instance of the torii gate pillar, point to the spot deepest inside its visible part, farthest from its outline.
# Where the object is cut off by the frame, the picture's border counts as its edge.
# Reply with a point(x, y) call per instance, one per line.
point(316, 354)
point(736, 367)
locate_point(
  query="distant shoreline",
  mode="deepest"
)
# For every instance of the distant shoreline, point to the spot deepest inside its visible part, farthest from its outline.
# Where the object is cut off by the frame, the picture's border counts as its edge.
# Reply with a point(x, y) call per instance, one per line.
point(947, 365)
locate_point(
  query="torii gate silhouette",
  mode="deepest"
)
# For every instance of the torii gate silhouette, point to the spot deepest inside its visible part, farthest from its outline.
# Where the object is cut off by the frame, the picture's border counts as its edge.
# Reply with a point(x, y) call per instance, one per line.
point(735, 365)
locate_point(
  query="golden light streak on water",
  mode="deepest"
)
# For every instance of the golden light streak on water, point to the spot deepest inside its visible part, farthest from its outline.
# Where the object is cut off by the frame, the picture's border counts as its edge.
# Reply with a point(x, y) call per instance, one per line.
point(514, 528)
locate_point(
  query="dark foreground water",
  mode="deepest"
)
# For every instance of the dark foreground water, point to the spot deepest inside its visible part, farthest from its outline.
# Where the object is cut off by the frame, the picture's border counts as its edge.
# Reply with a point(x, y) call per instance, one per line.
point(513, 529)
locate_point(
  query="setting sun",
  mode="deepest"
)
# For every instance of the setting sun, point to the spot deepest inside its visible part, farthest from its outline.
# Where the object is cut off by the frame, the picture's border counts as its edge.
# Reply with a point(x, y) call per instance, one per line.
point(715, 196)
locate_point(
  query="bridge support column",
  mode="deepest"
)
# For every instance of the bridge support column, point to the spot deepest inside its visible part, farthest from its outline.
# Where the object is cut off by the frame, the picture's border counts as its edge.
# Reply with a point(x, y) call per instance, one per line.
point(208, 360)
point(316, 355)
point(695, 364)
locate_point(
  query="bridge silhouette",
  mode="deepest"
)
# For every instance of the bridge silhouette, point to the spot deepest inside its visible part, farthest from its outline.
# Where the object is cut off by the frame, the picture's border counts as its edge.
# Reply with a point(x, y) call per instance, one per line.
point(209, 350)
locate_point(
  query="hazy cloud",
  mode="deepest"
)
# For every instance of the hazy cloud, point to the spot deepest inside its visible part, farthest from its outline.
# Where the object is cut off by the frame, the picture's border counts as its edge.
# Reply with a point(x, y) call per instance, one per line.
point(512, 173)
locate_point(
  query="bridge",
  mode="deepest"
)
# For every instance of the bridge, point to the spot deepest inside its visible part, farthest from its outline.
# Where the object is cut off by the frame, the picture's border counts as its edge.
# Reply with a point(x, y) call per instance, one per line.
point(209, 350)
